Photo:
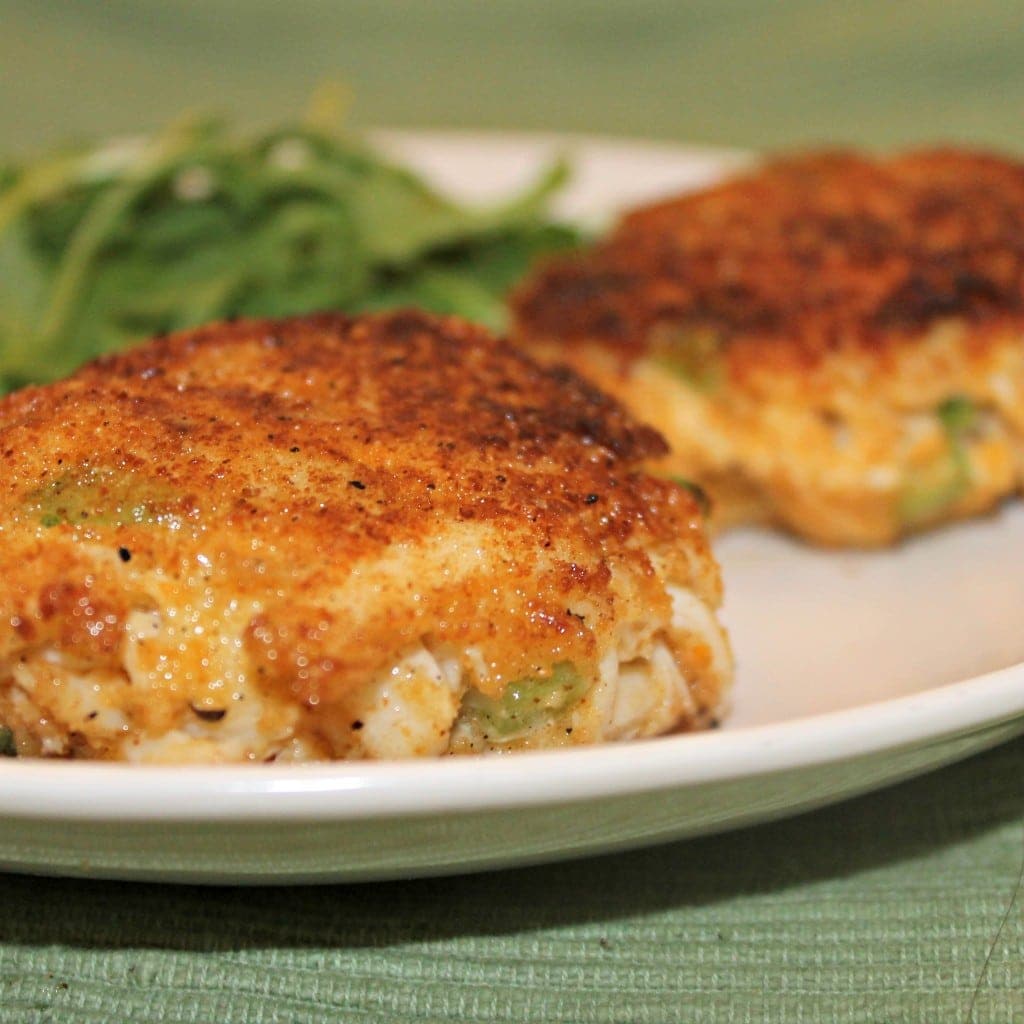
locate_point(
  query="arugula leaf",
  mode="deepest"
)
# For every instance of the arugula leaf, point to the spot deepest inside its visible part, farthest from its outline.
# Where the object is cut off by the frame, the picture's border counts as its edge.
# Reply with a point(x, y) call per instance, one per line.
point(108, 244)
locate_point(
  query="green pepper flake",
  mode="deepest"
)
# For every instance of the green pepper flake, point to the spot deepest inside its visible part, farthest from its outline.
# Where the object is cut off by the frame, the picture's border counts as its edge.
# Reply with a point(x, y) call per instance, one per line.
point(8, 748)
point(691, 353)
point(698, 493)
point(958, 415)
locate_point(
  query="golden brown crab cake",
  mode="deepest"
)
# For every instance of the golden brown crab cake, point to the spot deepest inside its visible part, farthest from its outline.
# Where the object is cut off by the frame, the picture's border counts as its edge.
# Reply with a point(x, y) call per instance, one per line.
point(830, 342)
point(325, 537)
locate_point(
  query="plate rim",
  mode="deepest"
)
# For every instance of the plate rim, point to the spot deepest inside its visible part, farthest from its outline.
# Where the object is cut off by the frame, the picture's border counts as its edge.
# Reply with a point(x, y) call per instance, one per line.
point(364, 790)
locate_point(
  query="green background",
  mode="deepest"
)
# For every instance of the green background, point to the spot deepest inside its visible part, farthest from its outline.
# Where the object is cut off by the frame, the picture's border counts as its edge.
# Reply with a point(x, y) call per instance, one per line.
point(879, 911)
point(742, 72)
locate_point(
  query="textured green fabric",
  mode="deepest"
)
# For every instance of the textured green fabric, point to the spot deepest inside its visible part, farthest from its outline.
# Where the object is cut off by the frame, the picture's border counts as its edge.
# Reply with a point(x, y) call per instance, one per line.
point(879, 911)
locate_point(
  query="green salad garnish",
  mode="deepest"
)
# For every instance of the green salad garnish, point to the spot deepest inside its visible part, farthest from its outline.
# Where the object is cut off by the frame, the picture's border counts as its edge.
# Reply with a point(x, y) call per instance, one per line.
point(103, 245)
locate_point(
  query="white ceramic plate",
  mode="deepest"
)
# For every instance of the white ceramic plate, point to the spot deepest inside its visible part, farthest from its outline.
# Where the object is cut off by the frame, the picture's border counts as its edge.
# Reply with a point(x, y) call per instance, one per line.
point(855, 670)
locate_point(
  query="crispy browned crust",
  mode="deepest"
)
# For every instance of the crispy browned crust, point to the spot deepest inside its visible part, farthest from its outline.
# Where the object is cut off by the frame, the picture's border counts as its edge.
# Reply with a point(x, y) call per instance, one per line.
point(277, 459)
point(810, 255)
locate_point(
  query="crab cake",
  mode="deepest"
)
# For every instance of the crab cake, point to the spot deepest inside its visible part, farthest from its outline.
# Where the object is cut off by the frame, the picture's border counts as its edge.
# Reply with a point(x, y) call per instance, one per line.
point(831, 342)
point(379, 537)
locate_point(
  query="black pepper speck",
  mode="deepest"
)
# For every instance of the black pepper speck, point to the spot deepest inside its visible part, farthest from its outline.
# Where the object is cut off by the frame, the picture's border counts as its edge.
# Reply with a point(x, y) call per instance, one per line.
point(209, 714)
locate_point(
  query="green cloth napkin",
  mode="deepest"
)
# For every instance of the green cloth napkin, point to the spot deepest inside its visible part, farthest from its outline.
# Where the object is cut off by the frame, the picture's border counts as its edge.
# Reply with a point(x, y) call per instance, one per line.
point(890, 909)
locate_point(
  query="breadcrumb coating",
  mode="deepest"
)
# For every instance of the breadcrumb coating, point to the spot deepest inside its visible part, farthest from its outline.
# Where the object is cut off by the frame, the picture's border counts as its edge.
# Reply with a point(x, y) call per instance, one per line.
point(329, 519)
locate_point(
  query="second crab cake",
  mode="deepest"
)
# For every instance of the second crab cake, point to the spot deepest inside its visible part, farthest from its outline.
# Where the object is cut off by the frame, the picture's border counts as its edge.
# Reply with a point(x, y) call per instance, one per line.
point(381, 537)
point(831, 342)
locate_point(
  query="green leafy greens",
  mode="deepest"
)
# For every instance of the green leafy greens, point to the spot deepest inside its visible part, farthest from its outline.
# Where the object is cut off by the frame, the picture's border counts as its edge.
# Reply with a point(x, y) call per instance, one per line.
point(101, 246)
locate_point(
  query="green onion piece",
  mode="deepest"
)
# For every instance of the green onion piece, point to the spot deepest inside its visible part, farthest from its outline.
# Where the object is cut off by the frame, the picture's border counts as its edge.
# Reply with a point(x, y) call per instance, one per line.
point(698, 492)
point(690, 353)
point(930, 490)
point(527, 703)
point(958, 415)
point(96, 496)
